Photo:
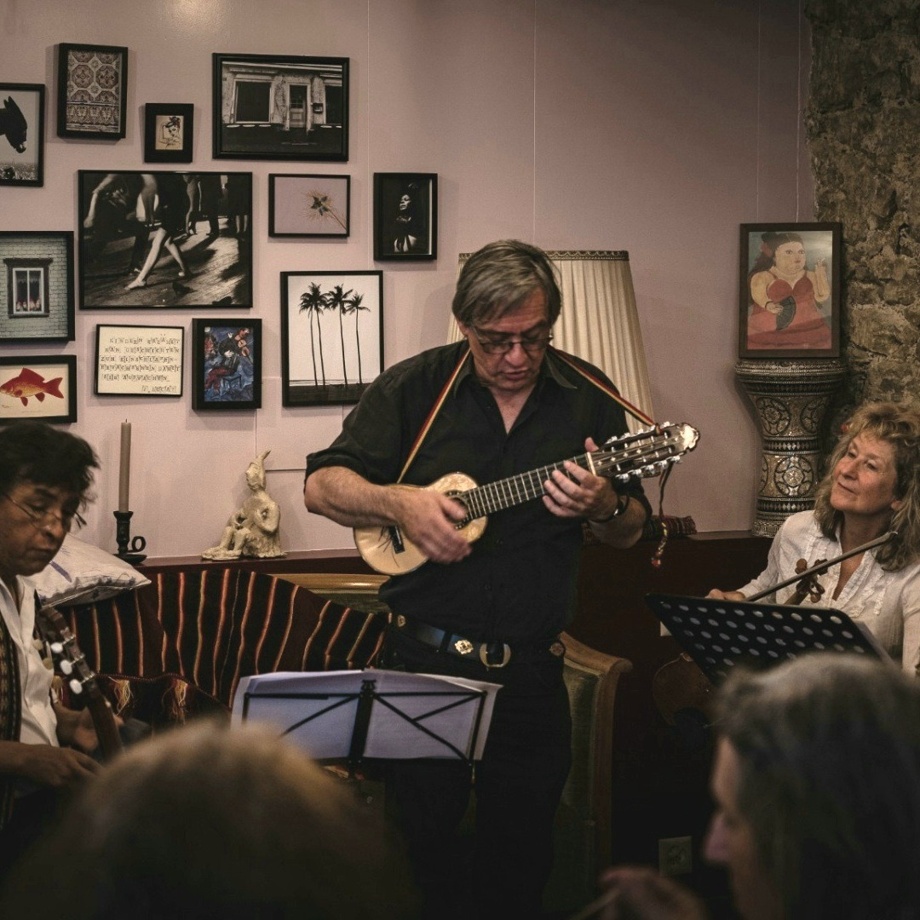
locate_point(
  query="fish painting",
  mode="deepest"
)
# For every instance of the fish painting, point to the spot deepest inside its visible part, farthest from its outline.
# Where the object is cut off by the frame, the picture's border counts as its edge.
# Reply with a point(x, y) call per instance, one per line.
point(28, 384)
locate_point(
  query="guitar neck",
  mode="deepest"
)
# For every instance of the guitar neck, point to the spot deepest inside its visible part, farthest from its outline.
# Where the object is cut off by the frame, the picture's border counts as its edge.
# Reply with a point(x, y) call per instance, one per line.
point(515, 490)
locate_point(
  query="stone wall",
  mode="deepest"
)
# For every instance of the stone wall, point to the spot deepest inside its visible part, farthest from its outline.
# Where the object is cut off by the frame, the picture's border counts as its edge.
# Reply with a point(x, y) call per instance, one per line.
point(863, 124)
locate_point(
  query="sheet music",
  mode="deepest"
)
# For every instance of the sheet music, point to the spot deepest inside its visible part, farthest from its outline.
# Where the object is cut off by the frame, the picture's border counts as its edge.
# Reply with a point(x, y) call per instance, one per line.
point(412, 715)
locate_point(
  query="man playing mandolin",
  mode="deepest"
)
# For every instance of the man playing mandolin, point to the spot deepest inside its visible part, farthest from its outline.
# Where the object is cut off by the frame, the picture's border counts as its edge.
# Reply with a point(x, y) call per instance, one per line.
point(490, 601)
point(44, 476)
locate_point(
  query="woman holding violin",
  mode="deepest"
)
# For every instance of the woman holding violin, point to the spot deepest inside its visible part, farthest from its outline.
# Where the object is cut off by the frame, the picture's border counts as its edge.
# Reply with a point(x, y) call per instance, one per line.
point(872, 488)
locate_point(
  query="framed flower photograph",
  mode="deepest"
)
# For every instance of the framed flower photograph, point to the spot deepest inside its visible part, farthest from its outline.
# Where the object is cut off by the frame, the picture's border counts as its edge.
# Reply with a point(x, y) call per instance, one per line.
point(304, 205)
point(92, 91)
point(36, 286)
point(280, 107)
point(168, 132)
point(405, 216)
point(331, 335)
point(22, 134)
point(42, 387)
point(139, 360)
point(790, 290)
point(226, 364)
point(150, 241)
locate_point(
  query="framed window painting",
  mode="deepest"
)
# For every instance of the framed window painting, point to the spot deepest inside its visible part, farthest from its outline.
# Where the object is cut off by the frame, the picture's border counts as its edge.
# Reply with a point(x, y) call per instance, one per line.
point(22, 134)
point(168, 132)
point(302, 205)
point(139, 360)
point(92, 91)
point(280, 107)
point(790, 290)
point(150, 241)
point(331, 335)
point(36, 286)
point(226, 364)
point(41, 387)
point(405, 216)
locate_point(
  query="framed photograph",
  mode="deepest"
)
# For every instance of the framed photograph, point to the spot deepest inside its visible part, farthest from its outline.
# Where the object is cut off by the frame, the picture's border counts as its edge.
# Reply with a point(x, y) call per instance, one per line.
point(139, 360)
point(92, 91)
point(331, 336)
point(42, 387)
point(36, 286)
point(280, 107)
point(22, 134)
point(168, 132)
point(166, 239)
point(790, 290)
point(226, 364)
point(308, 205)
point(405, 216)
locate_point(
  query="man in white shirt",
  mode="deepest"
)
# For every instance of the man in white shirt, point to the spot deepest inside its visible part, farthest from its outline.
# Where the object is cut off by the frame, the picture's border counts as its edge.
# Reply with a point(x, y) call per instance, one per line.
point(45, 474)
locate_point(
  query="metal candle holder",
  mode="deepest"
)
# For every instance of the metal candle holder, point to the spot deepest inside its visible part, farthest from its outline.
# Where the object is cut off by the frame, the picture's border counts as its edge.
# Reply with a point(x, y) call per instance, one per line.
point(129, 549)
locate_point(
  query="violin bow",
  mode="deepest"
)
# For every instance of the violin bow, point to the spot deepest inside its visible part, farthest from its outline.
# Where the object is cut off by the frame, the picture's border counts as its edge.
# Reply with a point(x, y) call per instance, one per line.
point(822, 567)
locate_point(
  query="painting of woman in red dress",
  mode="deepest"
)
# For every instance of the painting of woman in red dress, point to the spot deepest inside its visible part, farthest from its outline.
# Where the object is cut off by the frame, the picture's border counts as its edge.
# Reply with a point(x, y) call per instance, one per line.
point(789, 304)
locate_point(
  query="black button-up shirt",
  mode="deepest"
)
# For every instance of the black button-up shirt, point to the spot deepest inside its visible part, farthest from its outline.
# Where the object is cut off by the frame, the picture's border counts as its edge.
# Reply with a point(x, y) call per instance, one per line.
point(518, 584)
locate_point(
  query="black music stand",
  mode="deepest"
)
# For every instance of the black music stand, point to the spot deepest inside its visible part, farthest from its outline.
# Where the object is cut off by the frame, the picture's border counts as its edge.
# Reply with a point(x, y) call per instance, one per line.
point(720, 634)
point(355, 715)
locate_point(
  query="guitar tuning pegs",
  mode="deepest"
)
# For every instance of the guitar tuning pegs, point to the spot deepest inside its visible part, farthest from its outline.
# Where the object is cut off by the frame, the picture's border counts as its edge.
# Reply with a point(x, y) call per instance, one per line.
point(57, 648)
point(66, 667)
point(75, 686)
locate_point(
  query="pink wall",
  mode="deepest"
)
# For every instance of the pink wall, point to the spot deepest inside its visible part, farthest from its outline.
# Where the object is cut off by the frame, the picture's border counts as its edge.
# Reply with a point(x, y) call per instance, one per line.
point(654, 126)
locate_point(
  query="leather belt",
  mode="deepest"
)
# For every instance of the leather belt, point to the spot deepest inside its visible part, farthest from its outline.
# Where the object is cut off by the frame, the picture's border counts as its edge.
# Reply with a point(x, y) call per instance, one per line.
point(491, 654)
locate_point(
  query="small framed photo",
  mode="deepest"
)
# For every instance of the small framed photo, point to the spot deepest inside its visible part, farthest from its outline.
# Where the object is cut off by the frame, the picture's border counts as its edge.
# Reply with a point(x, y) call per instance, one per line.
point(36, 286)
point(301, 205)
point(280, 107)
point(790, 290)
point(405, 216)
point(168, 132)
point(331, 336)
point(150, 241)
point(92, 91)
point(42, 387)
point(139, 360)
point(22, 134)
point(226, 364)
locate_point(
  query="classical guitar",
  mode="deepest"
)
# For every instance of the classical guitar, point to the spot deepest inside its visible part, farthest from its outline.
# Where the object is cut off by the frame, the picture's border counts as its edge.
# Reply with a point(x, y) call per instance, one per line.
point(644, 454)
point(80, 678)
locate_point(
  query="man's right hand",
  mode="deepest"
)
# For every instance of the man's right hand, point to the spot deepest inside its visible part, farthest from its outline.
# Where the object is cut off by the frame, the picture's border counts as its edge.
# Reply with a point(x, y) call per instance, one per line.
point(57, 767)
point(429, 518)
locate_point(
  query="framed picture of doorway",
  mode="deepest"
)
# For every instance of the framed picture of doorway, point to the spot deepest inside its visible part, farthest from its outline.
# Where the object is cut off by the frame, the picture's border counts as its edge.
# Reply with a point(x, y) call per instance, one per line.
point(279, 107)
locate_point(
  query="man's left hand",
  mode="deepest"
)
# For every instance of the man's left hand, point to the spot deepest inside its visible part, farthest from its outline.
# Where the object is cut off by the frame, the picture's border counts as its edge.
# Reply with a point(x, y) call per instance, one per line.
point(579, 493)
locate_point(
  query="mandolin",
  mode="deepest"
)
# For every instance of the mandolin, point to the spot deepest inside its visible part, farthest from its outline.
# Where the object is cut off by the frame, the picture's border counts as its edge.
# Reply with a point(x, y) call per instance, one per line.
point(647, 453)
point(80, 678)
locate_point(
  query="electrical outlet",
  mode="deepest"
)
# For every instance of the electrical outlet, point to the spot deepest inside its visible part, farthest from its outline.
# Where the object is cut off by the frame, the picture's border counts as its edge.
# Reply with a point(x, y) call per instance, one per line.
point(675, 855)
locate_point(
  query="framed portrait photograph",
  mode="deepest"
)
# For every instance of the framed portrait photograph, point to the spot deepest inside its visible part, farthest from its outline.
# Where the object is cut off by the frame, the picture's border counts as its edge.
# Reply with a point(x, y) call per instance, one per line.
point(280, 107)
point(92, 91)
point(331, 336)
point(168, 132)
point(22, 134)
point(42, 387)
point(790, 290)
point(139, 360)
point(226, 364)
point(405, 216)
point(164, 239)
point(301, 205)
point(36, 286)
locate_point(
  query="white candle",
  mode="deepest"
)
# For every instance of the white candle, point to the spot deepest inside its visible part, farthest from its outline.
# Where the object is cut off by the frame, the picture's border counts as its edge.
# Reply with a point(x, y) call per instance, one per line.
point(124, 470)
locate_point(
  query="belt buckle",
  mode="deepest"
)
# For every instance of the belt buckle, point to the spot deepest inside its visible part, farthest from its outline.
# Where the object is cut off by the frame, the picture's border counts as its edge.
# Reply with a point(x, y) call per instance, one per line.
point(484, 655)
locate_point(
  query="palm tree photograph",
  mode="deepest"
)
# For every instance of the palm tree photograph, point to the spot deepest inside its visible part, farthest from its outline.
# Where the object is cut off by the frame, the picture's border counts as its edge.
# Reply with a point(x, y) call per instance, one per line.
point(331, 335)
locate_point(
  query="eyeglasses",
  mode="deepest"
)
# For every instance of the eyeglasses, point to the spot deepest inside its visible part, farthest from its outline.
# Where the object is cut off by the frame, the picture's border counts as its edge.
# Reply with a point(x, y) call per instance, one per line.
point(44, 517)
point(530, 343)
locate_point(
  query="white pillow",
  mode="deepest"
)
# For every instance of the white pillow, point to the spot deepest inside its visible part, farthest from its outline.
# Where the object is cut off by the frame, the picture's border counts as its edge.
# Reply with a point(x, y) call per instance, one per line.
point(82, 574)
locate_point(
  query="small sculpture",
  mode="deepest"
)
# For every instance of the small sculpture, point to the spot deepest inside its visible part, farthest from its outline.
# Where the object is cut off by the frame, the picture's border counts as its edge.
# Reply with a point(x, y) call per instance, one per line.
point(253, 530)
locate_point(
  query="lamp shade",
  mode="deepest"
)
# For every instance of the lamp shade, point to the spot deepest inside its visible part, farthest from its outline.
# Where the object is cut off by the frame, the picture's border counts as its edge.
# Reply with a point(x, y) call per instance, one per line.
point(599, 320)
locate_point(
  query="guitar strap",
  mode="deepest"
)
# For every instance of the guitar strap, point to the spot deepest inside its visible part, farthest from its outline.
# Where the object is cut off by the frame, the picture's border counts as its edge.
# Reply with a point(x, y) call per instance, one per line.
point(10, 712)
point(433, 414)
